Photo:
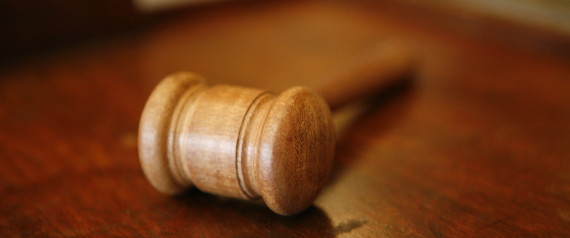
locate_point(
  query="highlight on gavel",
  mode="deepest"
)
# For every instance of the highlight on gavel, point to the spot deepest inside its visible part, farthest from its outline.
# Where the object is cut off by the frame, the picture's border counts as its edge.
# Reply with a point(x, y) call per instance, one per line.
point(250, 143)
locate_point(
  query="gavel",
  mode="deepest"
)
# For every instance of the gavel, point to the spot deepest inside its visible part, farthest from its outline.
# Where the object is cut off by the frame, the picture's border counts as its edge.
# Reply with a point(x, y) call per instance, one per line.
point(250, 143)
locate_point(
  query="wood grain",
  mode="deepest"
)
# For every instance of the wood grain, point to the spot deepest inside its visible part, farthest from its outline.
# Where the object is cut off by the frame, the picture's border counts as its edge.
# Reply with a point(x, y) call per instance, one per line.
point(478, 148)
point(237, 142)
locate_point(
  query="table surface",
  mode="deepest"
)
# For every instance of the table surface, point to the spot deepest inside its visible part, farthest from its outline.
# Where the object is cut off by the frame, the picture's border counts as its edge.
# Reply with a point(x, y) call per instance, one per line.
point(478, 147)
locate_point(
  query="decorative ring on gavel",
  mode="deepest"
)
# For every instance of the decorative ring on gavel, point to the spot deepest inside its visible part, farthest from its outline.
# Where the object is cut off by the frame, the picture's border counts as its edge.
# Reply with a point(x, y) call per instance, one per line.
point(237, 142)
point(249, 143)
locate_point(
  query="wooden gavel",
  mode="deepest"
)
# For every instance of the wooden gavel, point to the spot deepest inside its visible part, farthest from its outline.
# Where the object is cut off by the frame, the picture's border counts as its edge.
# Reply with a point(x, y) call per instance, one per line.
point(250, 143)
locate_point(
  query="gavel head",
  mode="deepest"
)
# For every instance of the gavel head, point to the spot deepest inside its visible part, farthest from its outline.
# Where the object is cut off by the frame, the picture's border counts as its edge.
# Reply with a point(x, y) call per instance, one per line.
point(237, 142)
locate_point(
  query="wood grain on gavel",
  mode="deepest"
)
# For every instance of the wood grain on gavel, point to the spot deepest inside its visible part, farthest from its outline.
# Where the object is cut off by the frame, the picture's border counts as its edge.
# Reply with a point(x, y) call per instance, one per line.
point(250, 143)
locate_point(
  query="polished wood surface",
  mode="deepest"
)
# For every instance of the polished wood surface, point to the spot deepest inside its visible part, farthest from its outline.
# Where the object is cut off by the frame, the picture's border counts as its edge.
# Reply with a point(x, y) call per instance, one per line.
point(478, 147)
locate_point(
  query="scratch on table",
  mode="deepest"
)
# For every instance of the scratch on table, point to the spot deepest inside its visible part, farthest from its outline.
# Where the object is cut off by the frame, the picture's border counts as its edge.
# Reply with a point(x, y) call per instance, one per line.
point(348, 226)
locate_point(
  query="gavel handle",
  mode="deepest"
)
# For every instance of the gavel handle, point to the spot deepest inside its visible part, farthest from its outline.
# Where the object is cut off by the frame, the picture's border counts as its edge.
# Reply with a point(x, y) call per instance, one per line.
point(386, 65)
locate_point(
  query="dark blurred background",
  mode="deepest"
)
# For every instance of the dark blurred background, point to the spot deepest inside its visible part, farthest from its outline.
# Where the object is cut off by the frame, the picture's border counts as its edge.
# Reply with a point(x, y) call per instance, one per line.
point(27, 26)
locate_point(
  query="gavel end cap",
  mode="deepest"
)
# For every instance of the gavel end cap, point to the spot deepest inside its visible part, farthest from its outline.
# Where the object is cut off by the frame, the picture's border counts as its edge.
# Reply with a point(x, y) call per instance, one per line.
point(153, 130)
point(296, 157)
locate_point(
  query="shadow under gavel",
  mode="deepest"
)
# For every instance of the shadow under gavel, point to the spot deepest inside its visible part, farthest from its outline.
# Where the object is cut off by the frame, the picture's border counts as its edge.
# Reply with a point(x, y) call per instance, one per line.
point(250, 143)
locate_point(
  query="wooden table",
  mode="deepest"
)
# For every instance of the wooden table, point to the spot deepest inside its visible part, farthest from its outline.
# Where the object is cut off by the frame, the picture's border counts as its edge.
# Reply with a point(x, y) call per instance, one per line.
point(479, 147)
